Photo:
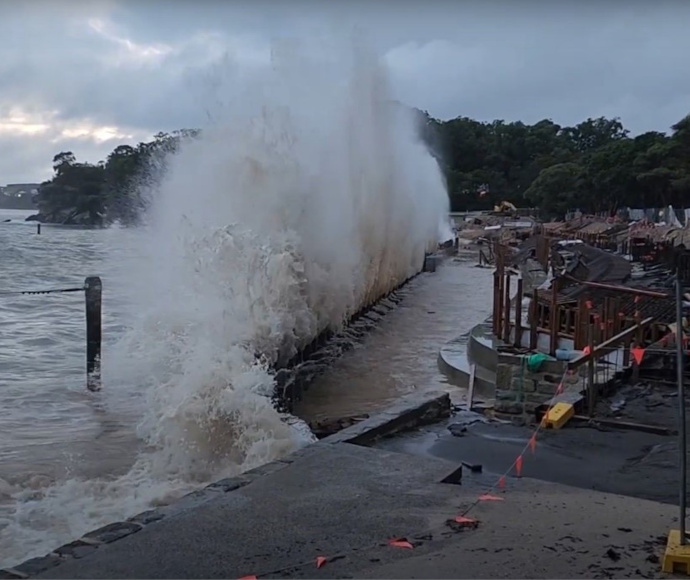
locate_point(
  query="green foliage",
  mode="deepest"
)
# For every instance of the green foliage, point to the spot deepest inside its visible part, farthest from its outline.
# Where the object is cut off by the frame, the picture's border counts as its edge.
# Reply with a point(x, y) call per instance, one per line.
point(594, 166)
point(112, 190)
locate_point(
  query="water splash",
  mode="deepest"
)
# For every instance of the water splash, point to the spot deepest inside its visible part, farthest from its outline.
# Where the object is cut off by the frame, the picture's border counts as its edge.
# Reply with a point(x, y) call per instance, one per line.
point(309, 196)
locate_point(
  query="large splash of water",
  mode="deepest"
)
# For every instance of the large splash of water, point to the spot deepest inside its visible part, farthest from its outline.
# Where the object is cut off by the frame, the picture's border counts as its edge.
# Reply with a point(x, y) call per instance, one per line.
point(308, 196)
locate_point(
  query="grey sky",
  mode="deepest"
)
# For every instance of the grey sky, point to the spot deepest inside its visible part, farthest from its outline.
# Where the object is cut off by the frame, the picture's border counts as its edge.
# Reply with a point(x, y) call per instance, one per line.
point(87, 76)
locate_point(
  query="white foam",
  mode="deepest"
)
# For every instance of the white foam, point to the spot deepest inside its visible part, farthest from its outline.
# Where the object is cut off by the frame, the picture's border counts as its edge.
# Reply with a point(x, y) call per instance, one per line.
point(309, 196)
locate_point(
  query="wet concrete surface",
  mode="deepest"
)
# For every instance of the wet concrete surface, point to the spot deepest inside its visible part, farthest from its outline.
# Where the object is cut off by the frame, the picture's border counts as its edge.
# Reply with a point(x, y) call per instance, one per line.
point(400, 355)
point(589, 456)
point(345, 503)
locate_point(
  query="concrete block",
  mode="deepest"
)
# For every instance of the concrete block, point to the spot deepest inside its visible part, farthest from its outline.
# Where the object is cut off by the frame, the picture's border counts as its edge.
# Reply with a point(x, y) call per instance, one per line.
point(113, 532)
point(523, 385)
point(408, 414)
point(504, 376)
point(36, 566)
point(676, 557)
point(547, 388)
point(10, 574)
point(508, 407)
point(536, 398)
point(558, 415)
point(514, 360)
point(76, 549)
point(506, 395)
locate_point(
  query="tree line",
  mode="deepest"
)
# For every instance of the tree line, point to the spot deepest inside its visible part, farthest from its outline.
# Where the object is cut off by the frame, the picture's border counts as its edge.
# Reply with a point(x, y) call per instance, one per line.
point(108, 191)
point(595, 166)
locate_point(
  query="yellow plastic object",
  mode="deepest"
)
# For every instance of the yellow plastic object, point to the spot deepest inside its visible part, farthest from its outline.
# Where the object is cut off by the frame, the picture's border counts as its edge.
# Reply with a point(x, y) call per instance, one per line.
point(558, 415)
point(676, 557)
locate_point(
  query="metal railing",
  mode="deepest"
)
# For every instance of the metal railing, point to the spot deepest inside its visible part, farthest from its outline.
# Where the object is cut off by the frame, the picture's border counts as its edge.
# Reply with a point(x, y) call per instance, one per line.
point(92, 289)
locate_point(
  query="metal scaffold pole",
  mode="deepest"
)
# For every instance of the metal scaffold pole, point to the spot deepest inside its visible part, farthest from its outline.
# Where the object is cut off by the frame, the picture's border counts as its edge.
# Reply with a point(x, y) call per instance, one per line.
point(680, 367)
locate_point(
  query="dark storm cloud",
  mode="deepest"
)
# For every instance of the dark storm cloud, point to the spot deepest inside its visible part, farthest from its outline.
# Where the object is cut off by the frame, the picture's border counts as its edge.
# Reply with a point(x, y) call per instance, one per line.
point(88, 76)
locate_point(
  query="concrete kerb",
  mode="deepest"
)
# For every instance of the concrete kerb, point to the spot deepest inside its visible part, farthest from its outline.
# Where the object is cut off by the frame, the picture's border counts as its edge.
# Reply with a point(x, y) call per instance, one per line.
point(407, 414)
point(475, 350)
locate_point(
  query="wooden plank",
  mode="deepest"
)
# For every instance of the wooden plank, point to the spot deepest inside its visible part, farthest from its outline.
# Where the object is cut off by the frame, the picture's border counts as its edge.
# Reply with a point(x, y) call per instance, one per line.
point(553, 322)
point(506, 305)
point(470, 388)
point(495, 316)
point(534, 306)
point(518, 314)
point(607, 345)
point(499, 306)
point(616, 424)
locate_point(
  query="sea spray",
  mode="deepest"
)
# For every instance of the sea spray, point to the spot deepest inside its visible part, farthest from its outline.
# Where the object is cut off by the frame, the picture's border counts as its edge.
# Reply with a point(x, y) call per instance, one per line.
point(307, 196)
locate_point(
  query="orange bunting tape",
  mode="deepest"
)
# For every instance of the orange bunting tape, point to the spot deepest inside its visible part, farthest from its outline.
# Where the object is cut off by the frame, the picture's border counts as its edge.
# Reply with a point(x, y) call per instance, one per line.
point(401, 543)
point(502, 481)
point(464, 520)
point(320, 561)
point(533, 442)
point(559, 388)
point(638, 354)
point(518, 465)
point(489, 497)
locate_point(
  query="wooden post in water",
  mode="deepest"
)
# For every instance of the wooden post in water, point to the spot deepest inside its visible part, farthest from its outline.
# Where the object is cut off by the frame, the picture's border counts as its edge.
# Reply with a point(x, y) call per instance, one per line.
point(38, 228)
point(93, 289)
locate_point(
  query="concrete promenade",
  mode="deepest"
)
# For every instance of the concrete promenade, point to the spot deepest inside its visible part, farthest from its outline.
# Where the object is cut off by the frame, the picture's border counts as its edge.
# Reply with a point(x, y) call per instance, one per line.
point(343, 501)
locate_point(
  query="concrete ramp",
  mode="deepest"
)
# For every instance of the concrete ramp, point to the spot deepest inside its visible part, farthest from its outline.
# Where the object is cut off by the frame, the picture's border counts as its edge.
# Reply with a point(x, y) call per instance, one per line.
point(345, 503)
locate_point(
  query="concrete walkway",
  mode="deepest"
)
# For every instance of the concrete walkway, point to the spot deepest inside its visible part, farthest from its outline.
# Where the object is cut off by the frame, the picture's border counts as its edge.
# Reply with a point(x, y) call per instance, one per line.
point(344, 502)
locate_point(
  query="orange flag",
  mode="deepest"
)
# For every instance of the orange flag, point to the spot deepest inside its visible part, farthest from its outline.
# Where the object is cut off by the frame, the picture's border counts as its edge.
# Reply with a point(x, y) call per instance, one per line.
point(401, 543)
point(502, 481)
point(518, 465)
point(533, 442)
point(320, 561)
point(465, 520)
point(638, 354)
point(489, 497)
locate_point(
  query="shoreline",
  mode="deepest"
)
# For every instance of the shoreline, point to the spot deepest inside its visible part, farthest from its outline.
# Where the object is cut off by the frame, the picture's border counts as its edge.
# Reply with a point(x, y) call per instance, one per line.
point(411, 412)
point(344, 498)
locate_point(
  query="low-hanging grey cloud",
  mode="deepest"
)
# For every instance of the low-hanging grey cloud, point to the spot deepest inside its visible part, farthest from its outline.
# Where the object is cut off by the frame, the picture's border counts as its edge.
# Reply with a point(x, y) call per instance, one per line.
point(89, 76)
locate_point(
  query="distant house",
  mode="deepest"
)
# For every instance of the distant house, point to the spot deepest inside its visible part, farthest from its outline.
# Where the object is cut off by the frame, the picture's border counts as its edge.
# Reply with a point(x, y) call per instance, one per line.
point(20, 189)
point(18, 195)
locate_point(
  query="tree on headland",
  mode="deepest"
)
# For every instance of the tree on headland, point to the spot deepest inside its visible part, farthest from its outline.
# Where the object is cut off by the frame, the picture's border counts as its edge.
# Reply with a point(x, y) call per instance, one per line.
point(111, 190)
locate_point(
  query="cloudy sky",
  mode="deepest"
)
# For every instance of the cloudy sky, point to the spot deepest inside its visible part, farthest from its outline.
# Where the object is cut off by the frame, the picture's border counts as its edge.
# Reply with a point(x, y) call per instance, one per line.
point(88, 75)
